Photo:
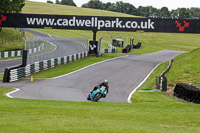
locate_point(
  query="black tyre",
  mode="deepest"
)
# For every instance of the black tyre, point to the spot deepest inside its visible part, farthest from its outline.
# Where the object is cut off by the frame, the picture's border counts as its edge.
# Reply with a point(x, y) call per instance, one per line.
point(97, 97)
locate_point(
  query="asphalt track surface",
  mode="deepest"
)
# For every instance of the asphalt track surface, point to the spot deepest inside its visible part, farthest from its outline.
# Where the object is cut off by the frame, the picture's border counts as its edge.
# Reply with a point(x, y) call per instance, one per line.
point(124, 75)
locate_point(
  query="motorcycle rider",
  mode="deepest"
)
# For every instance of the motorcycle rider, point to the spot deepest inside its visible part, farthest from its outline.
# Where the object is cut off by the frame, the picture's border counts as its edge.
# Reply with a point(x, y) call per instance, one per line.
point(104, 83)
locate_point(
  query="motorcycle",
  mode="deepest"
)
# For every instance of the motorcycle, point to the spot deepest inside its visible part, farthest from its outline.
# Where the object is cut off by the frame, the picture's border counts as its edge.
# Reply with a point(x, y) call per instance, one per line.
point(97, 94)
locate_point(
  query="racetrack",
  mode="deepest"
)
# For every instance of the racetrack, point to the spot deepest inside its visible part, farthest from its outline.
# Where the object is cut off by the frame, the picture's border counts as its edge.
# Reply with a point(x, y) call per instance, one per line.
point(124, 74)
point(62, 48)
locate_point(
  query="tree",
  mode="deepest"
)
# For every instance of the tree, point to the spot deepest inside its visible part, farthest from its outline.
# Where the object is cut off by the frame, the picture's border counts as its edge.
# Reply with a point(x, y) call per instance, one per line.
point(68, 2)
point(183, 13)
point(174, 14)
point(11, 6)
point(57, 2)
point(112, 8)
point(143, 11)
point(164, 12)
point(95, 4)
point(125, 7)
point(49, 1)
point(106, 5)
point(194, 13)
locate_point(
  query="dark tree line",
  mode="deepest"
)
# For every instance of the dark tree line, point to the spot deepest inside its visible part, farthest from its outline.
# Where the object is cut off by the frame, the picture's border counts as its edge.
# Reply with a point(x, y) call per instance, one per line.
point(11, 6)
point(63, 2)
point(148, 11)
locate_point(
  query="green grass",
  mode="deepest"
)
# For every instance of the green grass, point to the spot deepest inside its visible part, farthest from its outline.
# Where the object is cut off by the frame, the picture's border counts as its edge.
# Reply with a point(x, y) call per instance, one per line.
point(7, 36)
point(152, 78)
point(1, 76)
point(151, 42)
point(73, 66)
point(45, 8)
point(167, 115)
point(186, 69)
point(148, 85)
point(150, 112)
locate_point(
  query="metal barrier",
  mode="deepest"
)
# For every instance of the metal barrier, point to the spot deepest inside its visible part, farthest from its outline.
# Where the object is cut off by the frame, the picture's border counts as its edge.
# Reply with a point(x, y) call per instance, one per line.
point(45, 48)
point(19, 73)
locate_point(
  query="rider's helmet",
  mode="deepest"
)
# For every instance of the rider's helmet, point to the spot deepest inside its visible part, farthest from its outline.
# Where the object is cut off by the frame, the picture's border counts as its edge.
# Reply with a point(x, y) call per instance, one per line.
point(105, 82)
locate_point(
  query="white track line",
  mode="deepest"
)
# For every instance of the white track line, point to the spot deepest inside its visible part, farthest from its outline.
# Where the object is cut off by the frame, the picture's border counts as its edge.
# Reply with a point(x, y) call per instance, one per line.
point(9, 93)
point(88, 67)
point(130, 95)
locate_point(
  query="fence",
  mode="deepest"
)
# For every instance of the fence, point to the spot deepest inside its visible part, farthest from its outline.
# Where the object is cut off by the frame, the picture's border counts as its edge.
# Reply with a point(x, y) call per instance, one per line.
point(19, 73)
point(46, 48)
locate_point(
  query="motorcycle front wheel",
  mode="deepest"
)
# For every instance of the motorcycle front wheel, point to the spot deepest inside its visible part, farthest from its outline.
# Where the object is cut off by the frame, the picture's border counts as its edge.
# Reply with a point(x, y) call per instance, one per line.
point(97, 97)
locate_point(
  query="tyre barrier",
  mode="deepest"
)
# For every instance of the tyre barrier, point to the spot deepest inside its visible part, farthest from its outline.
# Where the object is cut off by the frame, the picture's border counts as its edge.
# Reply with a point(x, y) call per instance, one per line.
point(127, 49)
point(187, 92)
point(19, 73)
point(137, 45)
point(7, 54)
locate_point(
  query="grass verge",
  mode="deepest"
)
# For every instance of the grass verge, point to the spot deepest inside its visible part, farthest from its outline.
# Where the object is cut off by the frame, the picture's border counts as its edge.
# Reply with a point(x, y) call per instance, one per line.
point(10, 39)
point(185, 69)
point(151, 42)
point(169, 115)
point(73, 66)
point(148, 85)
point(1, 76)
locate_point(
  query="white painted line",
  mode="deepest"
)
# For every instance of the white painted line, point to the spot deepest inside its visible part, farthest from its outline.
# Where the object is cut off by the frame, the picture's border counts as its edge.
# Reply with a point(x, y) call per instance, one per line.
point(129, 97)
point(49, 35)
point(88, 67)
point(9, 93)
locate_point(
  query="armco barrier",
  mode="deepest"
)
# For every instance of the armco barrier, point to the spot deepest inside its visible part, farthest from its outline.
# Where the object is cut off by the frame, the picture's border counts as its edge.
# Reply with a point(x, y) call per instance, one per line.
point(7, 54)
point(187, 92)
point(113, 50)
point(19, 73)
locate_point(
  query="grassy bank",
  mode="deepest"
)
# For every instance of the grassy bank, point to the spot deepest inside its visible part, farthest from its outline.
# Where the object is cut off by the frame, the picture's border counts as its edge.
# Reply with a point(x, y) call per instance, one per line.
point(10, 39)
point(186, 69)
point(151, 42)
point(73, 66)
point(45, 8)
point(1, 76)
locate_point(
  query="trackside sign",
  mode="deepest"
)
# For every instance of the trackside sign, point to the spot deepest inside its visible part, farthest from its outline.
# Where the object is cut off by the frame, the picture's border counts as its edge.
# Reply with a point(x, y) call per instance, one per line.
point(99, 23)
